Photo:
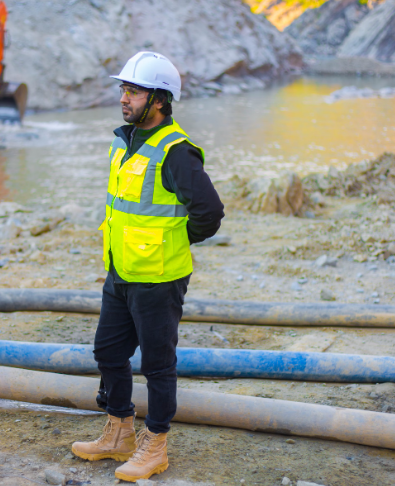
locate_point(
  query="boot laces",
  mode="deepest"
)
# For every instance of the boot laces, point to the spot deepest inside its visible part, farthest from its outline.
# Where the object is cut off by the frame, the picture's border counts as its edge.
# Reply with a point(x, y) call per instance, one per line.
point(106, 431)
point(143, 442)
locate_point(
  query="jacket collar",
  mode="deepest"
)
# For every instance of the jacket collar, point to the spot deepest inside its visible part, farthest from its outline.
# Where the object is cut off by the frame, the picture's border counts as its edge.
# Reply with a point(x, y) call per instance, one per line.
point(125, 131)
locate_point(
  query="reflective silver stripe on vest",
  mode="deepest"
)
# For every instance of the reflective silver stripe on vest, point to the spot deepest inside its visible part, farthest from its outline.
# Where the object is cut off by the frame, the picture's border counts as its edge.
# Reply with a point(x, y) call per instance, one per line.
point(110, 197)
point(166, 210)
point(145, 206)
point(117, 143)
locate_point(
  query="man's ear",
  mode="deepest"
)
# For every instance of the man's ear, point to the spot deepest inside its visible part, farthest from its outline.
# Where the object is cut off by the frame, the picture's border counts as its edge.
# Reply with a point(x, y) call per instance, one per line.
point(158, 104)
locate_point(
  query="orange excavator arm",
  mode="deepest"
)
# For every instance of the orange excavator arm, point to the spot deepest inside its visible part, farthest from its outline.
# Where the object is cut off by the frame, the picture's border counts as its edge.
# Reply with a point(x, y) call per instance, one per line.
point(3, 18)
point(13, 96)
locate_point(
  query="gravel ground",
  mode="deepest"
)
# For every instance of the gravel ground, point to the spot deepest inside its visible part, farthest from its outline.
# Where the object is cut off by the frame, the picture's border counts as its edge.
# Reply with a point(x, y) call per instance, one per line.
point(269, 258)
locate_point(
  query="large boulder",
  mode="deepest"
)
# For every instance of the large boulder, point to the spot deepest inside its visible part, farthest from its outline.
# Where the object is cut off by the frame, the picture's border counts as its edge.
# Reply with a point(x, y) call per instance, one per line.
point(65, 51)
point(283, 195)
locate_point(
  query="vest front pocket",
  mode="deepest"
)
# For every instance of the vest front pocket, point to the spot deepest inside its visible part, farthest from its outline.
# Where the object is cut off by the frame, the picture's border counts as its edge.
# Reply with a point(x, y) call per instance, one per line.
point(131, 176)
point(143, 251)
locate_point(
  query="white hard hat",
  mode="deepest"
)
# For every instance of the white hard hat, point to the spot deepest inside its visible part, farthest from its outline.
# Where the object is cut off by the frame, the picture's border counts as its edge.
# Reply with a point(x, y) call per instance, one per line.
point(151, 70)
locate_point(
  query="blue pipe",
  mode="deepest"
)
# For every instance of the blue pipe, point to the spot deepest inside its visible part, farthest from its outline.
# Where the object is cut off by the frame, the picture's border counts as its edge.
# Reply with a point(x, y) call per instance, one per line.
point(239, 363)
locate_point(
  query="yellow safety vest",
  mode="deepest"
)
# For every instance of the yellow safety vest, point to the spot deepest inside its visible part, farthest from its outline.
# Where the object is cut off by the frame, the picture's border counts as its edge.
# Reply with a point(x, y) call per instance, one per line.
point(145, 226)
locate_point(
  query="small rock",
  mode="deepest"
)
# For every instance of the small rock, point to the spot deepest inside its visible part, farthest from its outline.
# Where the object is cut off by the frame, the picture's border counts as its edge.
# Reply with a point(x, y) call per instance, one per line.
point(45, 426)
point(295, 286)
point(17, 421)
point(240, 278)
point(38, 256)
point(75, 251)
point(3, 262)
point(212, 85)
point(291, 249)
point(373, 395)
point(40, 228)
point(366, 238)
point(73, 470)
point(320, 262)
point(360, 258)
point(92, 277)
point(309, 214)
point(56, 431)
point(216, 240)
point(70, 210)
point(305, 483)
point(303, 280)
point(359, 275)
point(318, 198)
point(374, 294)
point(360, 291)
point(324, 261)
point(391, 249)
point(117, 481)
point(327, 295)
point(144, 482)
point(286, 481)
point(391, 259)
point(373, 268)
point(54, 477)
point(10, 230)
point(376, 301)
point(262, 285)
point(331, 262)
point(69, 455)
point(290, 441)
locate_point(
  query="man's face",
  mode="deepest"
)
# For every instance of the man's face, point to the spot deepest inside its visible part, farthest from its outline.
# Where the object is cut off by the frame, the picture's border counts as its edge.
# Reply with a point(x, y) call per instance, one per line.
point(133, 100)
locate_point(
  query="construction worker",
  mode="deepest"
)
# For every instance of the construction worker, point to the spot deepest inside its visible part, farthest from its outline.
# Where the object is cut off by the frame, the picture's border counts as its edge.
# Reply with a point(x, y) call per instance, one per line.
point(159, 201)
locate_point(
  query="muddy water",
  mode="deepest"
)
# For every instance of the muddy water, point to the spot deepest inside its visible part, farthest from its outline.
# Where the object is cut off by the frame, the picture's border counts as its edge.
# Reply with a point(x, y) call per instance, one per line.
point(62, 157)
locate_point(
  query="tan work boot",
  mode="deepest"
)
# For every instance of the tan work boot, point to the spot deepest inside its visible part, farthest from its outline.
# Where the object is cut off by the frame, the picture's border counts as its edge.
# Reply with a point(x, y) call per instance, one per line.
point(117, 442)
point(150, 457)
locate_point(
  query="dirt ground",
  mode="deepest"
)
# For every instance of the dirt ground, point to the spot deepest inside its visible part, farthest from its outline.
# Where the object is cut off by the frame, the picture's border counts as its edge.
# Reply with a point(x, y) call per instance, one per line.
point(270, 258)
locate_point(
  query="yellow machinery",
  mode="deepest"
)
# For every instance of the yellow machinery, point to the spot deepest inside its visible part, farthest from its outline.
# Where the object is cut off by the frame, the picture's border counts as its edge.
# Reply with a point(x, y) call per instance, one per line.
point(13, 96)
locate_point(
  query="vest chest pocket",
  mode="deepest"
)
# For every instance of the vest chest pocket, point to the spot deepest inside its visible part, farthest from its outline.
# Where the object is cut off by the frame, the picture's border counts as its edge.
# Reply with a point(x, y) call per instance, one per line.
point(131, 176)
point(143, 251)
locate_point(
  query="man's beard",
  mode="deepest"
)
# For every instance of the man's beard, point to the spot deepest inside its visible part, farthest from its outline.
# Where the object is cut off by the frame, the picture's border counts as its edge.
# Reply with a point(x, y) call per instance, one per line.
point(134, 116)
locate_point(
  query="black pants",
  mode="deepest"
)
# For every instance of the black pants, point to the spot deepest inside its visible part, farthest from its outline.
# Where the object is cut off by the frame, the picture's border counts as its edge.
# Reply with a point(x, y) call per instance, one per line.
point(147, 315)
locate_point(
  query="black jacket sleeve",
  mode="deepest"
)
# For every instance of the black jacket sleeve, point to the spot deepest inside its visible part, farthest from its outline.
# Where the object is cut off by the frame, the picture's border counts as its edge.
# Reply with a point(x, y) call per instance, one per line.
point(184, 175)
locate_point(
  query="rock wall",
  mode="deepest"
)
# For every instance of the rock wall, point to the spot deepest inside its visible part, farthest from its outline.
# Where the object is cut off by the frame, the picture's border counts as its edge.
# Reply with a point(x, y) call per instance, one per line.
point(374, 36)
point(65, 51)
point(321, 31)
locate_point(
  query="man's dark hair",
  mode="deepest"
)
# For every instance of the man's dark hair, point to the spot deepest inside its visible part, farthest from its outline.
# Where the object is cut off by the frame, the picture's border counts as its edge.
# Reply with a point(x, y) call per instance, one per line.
point(163, 96)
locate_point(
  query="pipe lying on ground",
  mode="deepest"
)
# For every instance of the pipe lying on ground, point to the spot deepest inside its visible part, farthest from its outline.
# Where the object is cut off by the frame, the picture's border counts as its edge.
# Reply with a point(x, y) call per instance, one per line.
point(221, 311)
point(57, 300)
point(225, 410)
point(241, 363)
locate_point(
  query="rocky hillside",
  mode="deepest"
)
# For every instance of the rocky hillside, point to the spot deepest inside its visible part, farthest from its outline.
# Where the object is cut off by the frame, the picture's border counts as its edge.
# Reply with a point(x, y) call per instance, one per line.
point(346, 31)
point(321, 31)
point(374, 36)
point(66, 51)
